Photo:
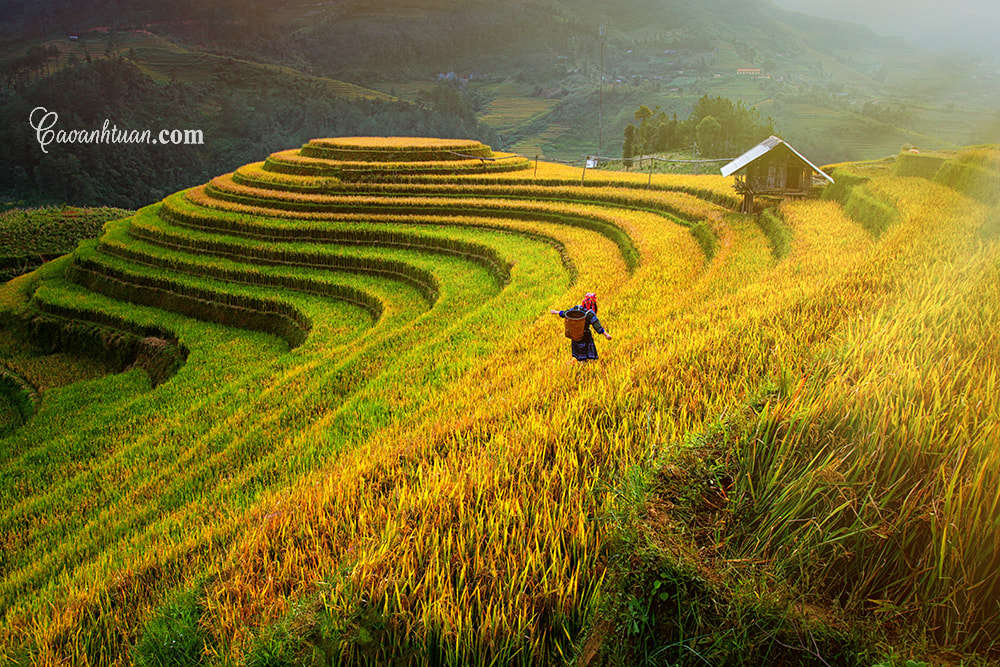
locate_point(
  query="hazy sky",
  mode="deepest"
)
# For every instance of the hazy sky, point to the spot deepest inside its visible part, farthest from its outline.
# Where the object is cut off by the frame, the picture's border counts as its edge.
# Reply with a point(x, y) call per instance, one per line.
point(966, 25)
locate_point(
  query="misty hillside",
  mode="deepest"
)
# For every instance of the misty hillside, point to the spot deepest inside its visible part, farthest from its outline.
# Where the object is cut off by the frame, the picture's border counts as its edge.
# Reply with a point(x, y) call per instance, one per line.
point(534, 69)
point(392, 37)
point(522, 75)
point(417, 38)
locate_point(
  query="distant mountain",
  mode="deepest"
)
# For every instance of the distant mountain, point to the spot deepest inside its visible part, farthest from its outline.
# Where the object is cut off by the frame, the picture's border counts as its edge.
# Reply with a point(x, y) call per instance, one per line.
point(967, 26)
point(395, 38)
point(557, 78)
point(977, 35)
point(837, 88)
point(543, 40)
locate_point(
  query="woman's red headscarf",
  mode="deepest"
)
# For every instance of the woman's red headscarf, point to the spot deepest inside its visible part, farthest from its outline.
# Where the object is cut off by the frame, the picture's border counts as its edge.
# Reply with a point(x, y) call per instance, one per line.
point(590, 302)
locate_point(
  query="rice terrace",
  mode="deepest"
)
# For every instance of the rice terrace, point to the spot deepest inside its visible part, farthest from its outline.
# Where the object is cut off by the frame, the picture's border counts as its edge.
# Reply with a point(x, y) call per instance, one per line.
point(337, 424)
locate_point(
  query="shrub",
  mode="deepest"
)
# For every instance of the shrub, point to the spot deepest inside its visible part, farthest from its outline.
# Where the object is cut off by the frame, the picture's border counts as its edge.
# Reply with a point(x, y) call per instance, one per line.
point(845, 180)
point(706, 239)
point(972, 180)
point(921, 165)
point(777, 231)
point(174, 636)
point(872, 213)
point(987, 157)
point(21, 394)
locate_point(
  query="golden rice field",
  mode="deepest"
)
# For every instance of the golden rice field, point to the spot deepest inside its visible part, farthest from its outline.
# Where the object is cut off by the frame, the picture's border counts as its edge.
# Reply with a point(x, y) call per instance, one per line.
point(348, 431)
point(511, 111)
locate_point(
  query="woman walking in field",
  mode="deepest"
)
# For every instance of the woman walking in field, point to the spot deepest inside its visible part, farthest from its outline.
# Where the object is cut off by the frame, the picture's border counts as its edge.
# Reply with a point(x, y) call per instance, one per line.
point(582, 346)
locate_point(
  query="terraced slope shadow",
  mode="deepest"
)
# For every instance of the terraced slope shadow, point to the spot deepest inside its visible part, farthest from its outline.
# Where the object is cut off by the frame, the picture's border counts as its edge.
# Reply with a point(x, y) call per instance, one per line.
point(324, 295)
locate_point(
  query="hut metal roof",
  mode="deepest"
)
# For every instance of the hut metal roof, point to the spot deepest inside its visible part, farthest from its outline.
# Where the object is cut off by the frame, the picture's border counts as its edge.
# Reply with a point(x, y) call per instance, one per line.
point(761, 149)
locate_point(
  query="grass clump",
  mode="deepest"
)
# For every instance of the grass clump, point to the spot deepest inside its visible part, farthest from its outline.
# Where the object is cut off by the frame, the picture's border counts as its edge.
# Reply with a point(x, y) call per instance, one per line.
point(920, 165)
point(971, 179)
point(174, 636)
point(873, 213)
point(851, 189)
point(838, 478)
point(846, 178)
point(677, 596)
point(777, 231)
point(706, 238)
point(30, 237)
point(18, 400)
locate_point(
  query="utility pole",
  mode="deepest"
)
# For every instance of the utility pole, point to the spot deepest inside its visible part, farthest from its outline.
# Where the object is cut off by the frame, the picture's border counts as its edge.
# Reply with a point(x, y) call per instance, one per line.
point(600, 100)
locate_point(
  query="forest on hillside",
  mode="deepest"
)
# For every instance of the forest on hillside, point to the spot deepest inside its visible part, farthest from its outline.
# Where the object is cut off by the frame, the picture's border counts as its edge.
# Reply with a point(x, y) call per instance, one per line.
point(238, 124)
point(524, 77)
point(717, 126)
point(45, 18)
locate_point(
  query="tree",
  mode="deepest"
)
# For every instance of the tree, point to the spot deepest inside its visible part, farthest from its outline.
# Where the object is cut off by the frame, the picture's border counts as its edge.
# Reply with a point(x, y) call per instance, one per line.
point(734, 128)
point(664, 136)
point(628, 149)
point(742, 127)
point(709, 134)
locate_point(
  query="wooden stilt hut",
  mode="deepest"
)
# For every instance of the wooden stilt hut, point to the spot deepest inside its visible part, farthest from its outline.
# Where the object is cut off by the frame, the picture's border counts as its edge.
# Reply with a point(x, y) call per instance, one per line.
point(773, 168)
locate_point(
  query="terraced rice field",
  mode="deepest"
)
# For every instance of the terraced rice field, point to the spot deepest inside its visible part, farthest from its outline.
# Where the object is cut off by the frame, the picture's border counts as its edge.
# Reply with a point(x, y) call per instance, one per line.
point(373, 448)
point(539, 144)
point(164, 60)
point(508, 112)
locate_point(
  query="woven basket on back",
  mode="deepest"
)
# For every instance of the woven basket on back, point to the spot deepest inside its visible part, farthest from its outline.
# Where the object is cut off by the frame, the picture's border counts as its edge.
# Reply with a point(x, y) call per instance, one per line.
point(576, 324)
